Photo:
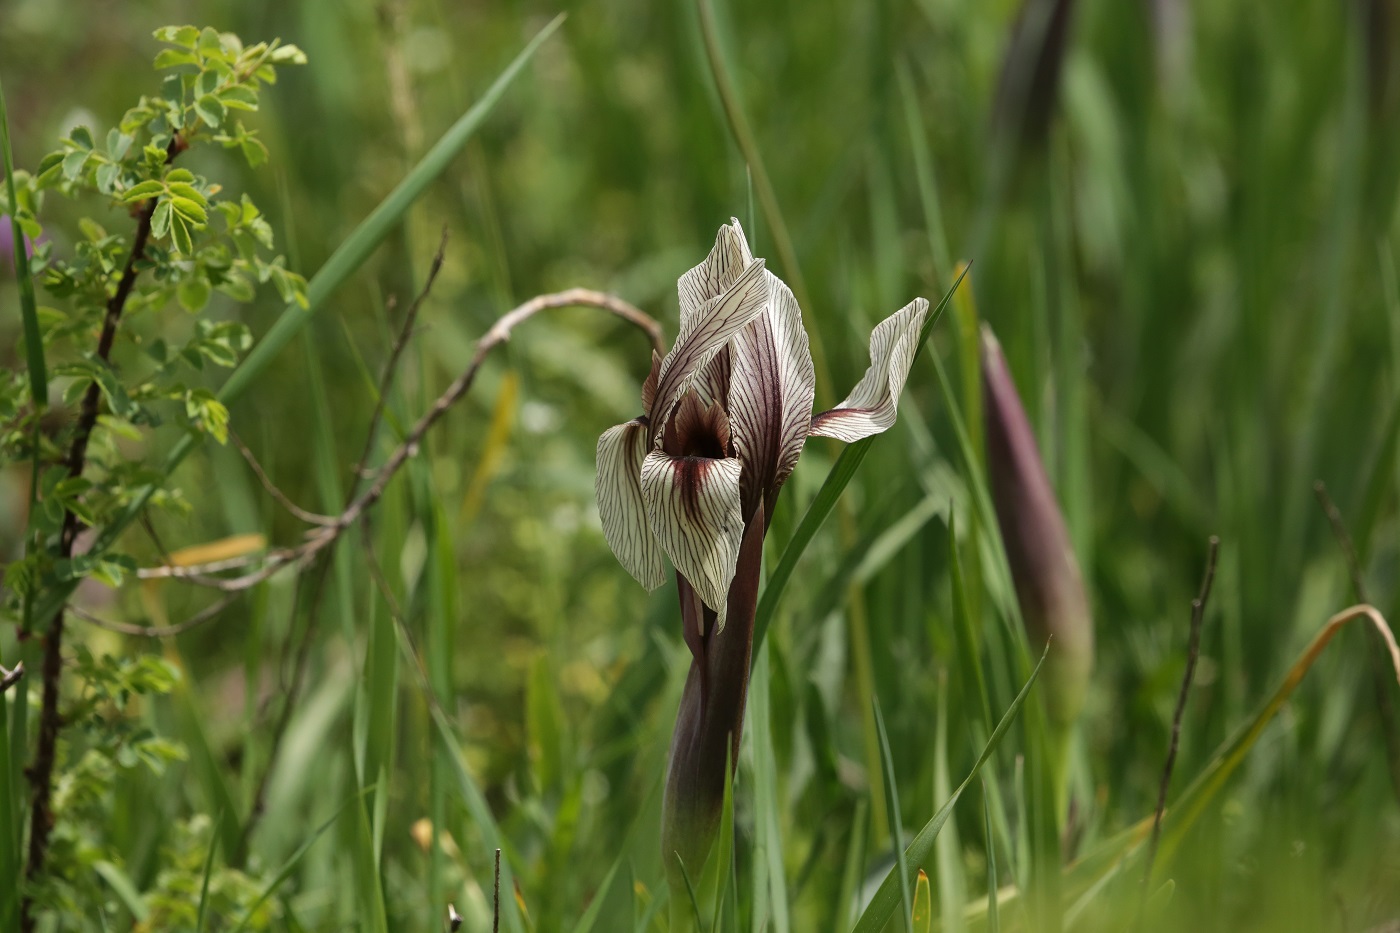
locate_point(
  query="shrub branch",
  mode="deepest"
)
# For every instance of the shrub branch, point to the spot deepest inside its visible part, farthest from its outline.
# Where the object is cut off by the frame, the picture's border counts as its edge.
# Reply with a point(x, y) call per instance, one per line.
point(50, 721)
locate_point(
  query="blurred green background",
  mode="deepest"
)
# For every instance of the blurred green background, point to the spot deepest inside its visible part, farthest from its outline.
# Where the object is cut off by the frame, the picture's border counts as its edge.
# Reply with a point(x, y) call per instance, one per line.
point(1187, 246)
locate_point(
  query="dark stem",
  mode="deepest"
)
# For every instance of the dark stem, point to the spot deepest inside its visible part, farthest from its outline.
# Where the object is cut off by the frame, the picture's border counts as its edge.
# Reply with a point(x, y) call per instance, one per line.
point(496, 910)
point(1193, 654)
point(41, 771)
point(1380, 678)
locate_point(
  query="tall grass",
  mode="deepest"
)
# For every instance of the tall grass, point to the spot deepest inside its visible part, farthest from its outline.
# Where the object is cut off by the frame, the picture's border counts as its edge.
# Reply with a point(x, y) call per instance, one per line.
point(1193, 278)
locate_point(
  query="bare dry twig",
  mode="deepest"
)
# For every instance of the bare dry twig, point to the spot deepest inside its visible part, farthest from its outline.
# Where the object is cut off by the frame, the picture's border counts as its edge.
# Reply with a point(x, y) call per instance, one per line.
point(1193, 654)
point(311, 518)
point(325, 535)
point(8, 678)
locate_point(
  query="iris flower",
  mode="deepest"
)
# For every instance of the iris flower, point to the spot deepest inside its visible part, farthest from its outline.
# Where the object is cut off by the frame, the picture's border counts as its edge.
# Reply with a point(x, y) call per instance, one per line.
point(695, 477)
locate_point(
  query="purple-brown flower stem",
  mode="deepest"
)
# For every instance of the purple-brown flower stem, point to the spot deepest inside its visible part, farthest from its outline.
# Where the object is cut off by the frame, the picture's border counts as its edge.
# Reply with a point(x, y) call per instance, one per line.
point(710, 722)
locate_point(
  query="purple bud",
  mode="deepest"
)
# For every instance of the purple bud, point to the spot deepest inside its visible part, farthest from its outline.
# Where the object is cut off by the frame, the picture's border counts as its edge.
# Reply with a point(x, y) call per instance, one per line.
point(1046, 575)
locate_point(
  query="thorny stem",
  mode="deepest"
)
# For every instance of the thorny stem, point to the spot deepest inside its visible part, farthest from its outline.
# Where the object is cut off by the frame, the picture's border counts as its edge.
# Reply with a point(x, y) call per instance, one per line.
point(1193, 653)
point(8, 678)
point(41, 771)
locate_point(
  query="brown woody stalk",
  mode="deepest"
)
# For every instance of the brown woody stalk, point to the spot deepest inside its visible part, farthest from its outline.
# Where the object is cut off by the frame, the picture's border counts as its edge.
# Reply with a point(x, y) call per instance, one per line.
point(41, 771)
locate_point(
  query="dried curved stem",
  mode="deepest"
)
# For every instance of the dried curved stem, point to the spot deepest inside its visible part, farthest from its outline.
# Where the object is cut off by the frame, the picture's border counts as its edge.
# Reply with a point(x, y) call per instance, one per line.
point(330, 531)
point(154, 631)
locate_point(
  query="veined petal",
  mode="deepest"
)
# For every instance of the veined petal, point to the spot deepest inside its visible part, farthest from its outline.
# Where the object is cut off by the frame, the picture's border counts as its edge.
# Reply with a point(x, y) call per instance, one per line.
point(872, 404)
point(692, 505)
point(712, 382)
point(711, 328)
point(729, 257)
point(621, 505)
point(770, 393)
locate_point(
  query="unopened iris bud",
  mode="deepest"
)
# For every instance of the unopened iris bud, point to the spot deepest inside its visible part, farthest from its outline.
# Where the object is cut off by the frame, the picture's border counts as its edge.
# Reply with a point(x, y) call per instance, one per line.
point(1046, 575)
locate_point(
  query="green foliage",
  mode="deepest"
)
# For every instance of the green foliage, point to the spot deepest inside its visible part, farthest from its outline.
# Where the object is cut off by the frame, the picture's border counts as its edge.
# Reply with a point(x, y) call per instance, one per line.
point(189, 244)
point(182, 241)
point(1192, 270)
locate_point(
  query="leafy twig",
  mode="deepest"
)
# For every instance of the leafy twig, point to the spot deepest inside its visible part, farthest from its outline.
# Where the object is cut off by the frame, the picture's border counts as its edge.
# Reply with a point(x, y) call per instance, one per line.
point(1193, 653)
point(41, 771)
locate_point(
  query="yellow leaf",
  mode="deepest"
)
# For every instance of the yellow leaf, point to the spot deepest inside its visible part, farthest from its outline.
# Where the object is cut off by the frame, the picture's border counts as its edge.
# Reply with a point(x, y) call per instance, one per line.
point(222, 549)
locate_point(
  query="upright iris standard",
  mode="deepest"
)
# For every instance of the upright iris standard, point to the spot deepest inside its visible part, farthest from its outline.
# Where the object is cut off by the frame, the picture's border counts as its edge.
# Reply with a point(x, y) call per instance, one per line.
point(696, 476)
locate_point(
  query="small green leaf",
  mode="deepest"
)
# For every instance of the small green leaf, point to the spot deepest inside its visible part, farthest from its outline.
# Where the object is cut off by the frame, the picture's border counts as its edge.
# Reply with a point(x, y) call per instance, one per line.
point(74, 161)
point(118, 144)
point(82, 138)
point(173, 58)
point(186, 190)
point(92, 230)
point(160, 220)
point(190, 210)
point(210, 109)
point(209, 42)
point(254, 152)
point(183, 36)
point(142, 191)
point(119, 426)
point(193, 294)
point(287, 55)
point(239, 97)
point(180, 235)
point(107, 177)
point(178, 175)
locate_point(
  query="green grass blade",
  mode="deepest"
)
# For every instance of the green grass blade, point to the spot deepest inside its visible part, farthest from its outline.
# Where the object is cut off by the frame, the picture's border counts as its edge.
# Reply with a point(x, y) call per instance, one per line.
point(835, 483)
point(770, 886)
point(204, 880)
point(758, 176)
point(28, 306)
point(337, 270)
point(948, 849)
point(357, 247)
point(9, 829)
point(125, 889)
point(480, 813)
point(896, 826)
point(290, 865)
point(888, 898)
point(1183, 813)
point(993, 919)
point(590, 916)
point(923, 906)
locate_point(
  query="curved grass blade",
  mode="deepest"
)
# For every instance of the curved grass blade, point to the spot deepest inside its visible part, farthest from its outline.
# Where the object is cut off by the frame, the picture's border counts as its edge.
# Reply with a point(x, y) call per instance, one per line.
point(288, 866)
point(896, 829)
point(841, 472)
point(923, 905)
point(337, 270)
point(204, 880)
point(887, 899)
point(28, 306)
point(33, 345)
point(590, 916)
point(1180, 815)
